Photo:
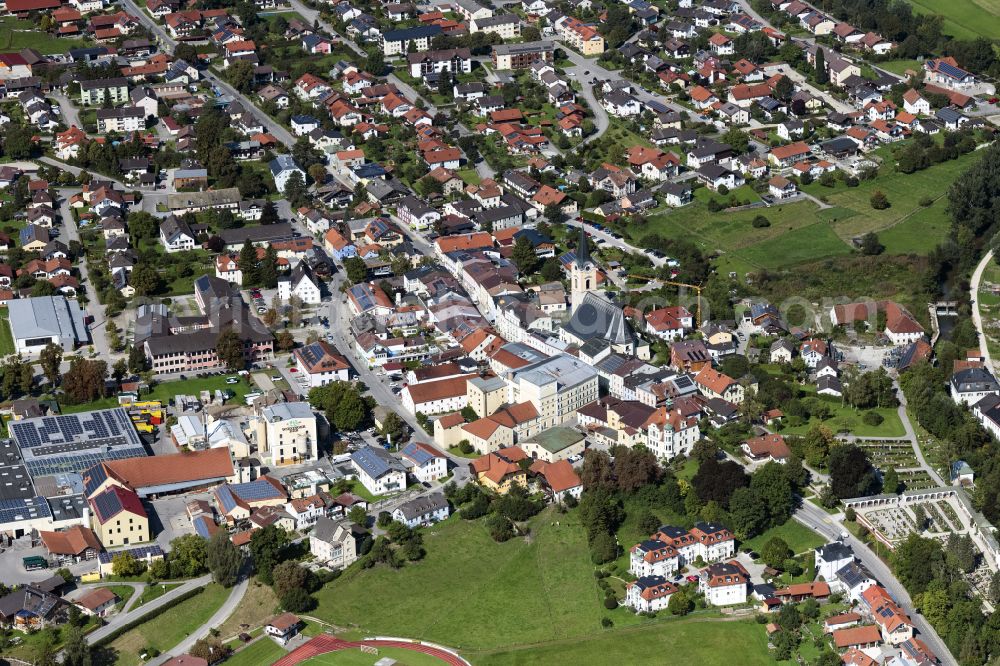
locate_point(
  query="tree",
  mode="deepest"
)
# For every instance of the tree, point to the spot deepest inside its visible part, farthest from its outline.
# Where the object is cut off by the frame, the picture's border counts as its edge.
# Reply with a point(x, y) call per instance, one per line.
point(267, 270)
point(603, 548)
point(551, 269)
point(119, 370)
point(890, 481)
point(358, 515)
point(679, 603)
point(125, 564)
point(774, 552)
point(524, 256)
point(146, 280)
point(50, 359)
point(784, 88)
point(76, 651)
point(635, 468)
point(240, 75)
point(393, 428)
point(870, 245)
point(288, 576)
point(597, 471)
point(961, 553)
point(297, 600)
point(747, 514)
point(189, 555)
point(210, 649)
point(851, 473)
point(248, 263)
point(879, 201)
point(84, 381)
point(917, 561)
point(223, 559)
point(400, 264)
point(318, 173)
point(822, 76)
point(771, 484)
point(229, 347)
point(375, 61)
point(269, 213)
point(136, 360)
point(267, 548)
point(717, 480)
point(351, 412)
point(295, 189)
point(285, 340)
point(356, 269)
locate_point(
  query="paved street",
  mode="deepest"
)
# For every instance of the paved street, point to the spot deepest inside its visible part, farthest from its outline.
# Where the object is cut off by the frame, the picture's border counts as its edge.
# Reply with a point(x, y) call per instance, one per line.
point(977, 317)
point(124, 618)
point(168, 43)
point(220, 616)
point(831, 528)
point(67, 109)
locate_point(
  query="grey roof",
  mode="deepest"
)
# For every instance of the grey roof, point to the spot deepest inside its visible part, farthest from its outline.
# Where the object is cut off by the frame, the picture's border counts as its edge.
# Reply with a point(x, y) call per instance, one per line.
point(833, 551)
point(598, 317)
point(526, 47)
point(328, 530)
point(376, 463)
point(421, 506)
point(968, 380)
point(47, 316)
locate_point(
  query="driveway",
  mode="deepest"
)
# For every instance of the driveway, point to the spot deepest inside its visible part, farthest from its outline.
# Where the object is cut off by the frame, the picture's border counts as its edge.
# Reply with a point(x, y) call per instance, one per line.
point(977, 317)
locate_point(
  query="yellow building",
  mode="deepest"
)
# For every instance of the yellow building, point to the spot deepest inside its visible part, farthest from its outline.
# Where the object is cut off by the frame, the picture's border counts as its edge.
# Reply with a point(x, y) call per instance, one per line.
point(119, 518)
point(487, 435)
point(501, 470)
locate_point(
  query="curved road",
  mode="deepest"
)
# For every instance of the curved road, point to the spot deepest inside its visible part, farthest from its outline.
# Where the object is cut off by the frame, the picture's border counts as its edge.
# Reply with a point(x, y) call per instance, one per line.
point(220, 616)
point(977, 318)
point(124, 618)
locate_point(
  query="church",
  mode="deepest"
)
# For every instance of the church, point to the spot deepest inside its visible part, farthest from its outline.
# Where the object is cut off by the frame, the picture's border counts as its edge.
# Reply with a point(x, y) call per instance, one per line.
point(595, 318)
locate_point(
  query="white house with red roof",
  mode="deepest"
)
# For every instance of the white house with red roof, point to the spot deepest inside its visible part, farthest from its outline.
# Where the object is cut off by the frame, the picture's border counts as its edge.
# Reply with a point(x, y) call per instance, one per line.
point(653, 557)
point(724, 583)
point(670, 323)
point(648, 594)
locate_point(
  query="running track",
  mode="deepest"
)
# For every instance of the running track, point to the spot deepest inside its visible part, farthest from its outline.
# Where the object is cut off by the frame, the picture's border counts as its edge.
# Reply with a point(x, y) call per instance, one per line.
point(323, 644)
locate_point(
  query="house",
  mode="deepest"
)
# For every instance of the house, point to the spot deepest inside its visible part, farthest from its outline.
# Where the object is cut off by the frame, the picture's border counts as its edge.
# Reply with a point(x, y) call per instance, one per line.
point(500, 470)
point(653, 557)
point(648, 594)
point(301, 283)
point(915, 103)
point(721, 45)
point(118, 517)
point(454, 61)
point(176, 235)
point(378, 470)
point(971, 385)
point(558, 479)
point(282, 168)
point(29, 608)
point(73, 544)
point(333, 543)
point(406, 40)
point(424, 510)
point(98, 602)
point(947, 72)
point(724, 583)
point(769, 447)
point(786, 156)
point(894, 624)
point(425, 462)
point(714, 384)
point(320, 363)
point(863, 638)
point(283, 627)
point(669, 323)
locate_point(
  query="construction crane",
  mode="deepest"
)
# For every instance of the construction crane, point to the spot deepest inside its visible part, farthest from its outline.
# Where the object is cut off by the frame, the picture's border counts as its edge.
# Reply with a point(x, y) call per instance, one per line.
point(697, 291)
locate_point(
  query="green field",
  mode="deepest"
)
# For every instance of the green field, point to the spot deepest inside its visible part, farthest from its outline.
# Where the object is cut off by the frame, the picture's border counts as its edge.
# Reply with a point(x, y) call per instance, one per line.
point(6, 339)
point(900, 66)
point(531, 600)
point(798, 537)
point(18, 34)
point(796, 233)
point(965, 20)
point(263, 651)
point(151, 592)
point(358, 658)
point(848, 419)
point(167, 390)
point(703, 642)
point(170, 627)
point(912, 227)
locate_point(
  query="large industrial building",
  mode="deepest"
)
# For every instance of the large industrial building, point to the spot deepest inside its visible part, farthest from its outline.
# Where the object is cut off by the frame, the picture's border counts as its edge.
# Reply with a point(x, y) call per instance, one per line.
point(42, 465)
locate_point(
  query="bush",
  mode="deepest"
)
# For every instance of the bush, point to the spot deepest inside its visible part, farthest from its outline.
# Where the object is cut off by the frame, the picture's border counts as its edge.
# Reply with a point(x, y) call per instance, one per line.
point(465, 447)
point(925, 202)
point(723, 190)
point(872, 418)
point(879, 201)
point(714, 206)
point(850, 514)
point(851, 181)
point(760, 222)
point(610, 602)
point(607, 623)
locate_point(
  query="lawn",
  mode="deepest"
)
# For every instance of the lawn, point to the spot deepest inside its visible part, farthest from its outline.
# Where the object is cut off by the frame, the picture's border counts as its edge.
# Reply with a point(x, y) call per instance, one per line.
point(848, 419)
point(152, 592)
point(167, 390)
point(170, 627)
point(964, 20)
point(123, 592)
point(263, 651)
point(19, 34)
point(544, 585)
point(470, 176)
point(798, 537)
point(702, 641)
point(919, 229)
point(356, 657)
point(900, 66)
point(6, 339)
point(795, 234)
point(257, 606)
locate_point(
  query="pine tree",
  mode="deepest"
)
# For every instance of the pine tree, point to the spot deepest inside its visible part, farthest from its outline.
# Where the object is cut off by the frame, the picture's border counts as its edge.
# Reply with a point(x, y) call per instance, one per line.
point(822, 76)
point(267, 270)
point(248, 263)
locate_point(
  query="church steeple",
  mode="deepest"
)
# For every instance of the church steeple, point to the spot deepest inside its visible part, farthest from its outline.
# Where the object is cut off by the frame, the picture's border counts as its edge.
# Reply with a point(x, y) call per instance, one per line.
point(582, 250)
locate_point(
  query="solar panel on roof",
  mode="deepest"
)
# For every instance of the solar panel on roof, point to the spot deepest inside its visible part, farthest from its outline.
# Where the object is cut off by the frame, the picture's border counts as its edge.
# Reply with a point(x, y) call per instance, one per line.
point(951, 70)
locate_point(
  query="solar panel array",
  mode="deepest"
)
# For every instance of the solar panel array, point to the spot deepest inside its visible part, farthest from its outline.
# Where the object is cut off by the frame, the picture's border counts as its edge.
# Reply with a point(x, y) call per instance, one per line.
point(107, 505)
point(363, 295)
point(951, 70)
point(255, 490)
point(139, 553)
point(23, 509)
point(76, 442)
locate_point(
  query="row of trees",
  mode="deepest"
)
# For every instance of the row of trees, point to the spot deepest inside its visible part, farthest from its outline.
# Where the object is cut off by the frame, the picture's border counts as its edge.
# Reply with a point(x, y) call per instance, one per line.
point(504, 514)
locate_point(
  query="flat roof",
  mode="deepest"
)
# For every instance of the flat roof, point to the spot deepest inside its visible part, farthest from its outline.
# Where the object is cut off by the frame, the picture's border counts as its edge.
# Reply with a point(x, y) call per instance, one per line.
point(556, 439)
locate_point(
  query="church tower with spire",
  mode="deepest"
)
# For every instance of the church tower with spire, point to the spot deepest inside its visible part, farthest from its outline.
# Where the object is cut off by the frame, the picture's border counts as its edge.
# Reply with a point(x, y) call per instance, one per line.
point(583, 272)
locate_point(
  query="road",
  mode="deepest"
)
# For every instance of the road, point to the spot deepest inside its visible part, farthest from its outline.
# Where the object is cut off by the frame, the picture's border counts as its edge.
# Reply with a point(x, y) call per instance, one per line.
point(830, 528)
point(977, 318)
point(124, 618)
point(168, 43)
point(581, 65)
point(68, 111)
point(621, 244)
point(220, 616)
